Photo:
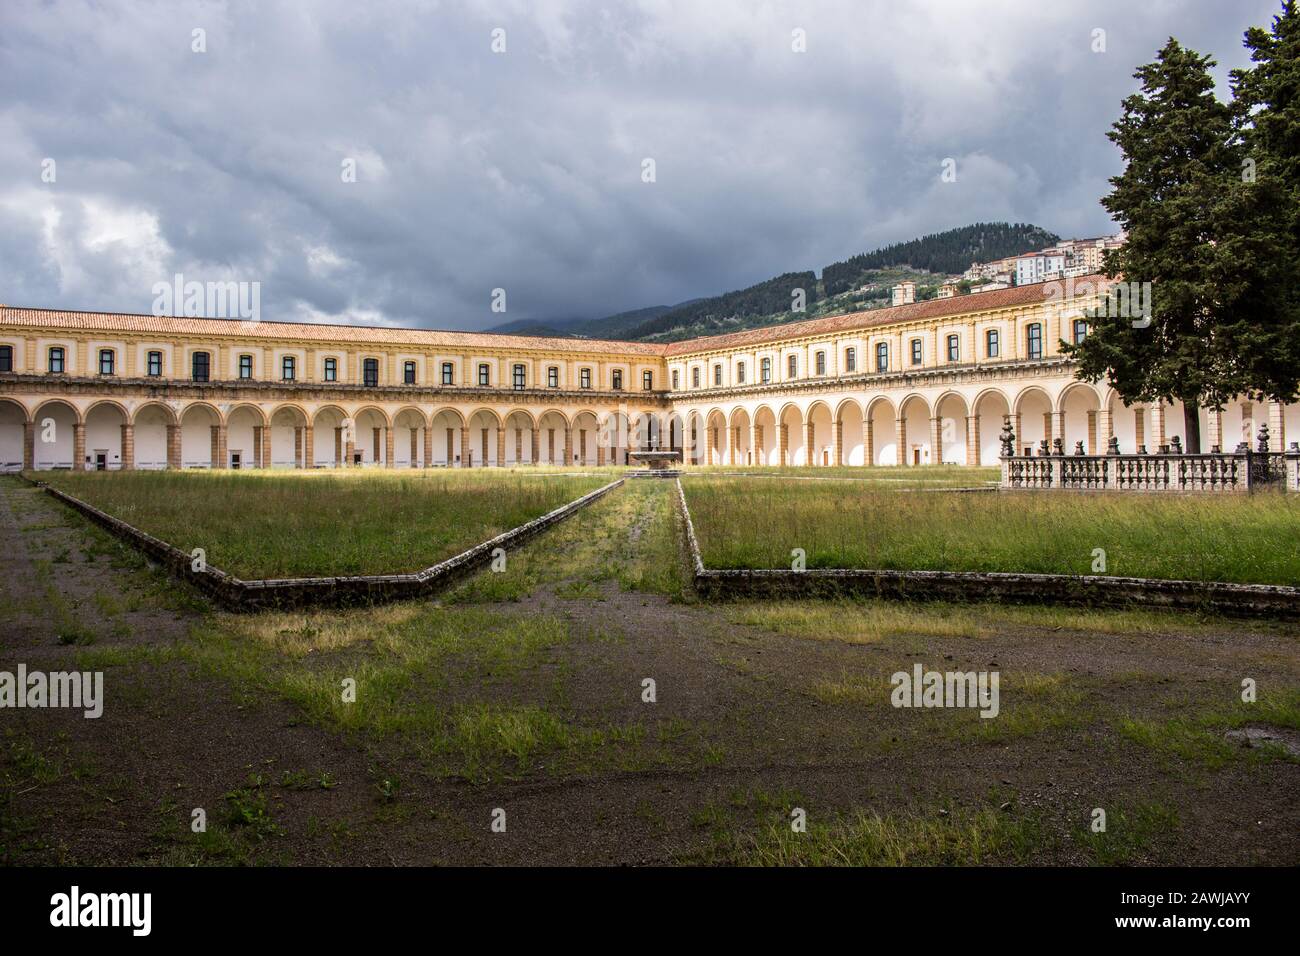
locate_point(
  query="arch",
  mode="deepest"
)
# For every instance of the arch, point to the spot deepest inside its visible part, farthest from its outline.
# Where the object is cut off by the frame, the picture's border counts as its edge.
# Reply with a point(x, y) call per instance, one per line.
point(955, 432)
point(551, 427)
point(519, 449)
point(53, 438)
point(818, 435)
point(791, 447)
point(485, 435)
point(586, 437)
point(374, 410)
point(991, 410)
point(410, 425)
point(881, 433)
point(1077, 407)
point(1031, 417)
point(1029, 393)
point(915, 431)
point(101, 402)
point(447, 425)
point(168, 412)
point(14, 420)
point(200, 425)
point(767, 440)
point(851, 448)
point(150, 425)
point(739, 437)
point(328, 413)
point(413, 410)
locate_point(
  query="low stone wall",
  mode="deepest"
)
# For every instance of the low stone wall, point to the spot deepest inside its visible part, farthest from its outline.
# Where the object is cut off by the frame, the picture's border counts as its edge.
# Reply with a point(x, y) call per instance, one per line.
point(284, 593)
point(967, 587)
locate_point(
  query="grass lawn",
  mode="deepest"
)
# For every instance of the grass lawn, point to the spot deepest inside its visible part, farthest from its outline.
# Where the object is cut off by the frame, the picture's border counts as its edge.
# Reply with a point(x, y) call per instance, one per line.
point(293, 524)
point(744, 523)
point(941, 476)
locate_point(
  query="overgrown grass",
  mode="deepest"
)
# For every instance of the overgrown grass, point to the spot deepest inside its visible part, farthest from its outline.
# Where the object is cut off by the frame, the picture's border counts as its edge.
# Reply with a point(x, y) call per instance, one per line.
point(746, 523)
point(885, 476)
point(277, 524)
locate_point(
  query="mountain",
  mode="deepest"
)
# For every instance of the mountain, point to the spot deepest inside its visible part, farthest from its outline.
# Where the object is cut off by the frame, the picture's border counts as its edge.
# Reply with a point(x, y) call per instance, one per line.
point(859, 282)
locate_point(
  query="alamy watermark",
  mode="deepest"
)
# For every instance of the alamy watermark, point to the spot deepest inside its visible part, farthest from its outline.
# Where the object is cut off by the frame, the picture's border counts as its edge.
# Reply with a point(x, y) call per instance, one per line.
point(211, 300)
point(78, 690)
point(923, 688)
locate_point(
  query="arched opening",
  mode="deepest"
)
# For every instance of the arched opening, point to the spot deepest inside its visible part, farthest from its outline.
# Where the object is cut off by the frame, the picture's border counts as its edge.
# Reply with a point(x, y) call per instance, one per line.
point(738, 446)
point(1032, 421)
point(12, 419)
point(852, 435)
point(446, 426)
point(104, 428)
point(408, 443)
point(1078, 409)
point(550, 432)
point(329, 429)
point(200, 427)
point(953, 433)
point(883, 433)
point(54, 440)
point(484, 427)
point(289, 437)
point(915, 413)
point(372, 433)
point(992, 410)
point(819, 436)
point(766, 440)
point(586, 434)
point(791, 446)
point(519, 438)
point(150, 433)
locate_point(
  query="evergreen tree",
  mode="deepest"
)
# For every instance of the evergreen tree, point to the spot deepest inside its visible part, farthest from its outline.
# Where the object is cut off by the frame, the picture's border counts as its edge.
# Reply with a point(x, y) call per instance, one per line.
point(1181, 150)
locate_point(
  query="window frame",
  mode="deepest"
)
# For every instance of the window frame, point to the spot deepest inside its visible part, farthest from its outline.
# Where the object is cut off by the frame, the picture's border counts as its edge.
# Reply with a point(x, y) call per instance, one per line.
point(149, 358)
point(519, 376)
point(918, 352)
point(112, 362)
point(740, 373)
point(992, 343)
point(882, 356)
point(616, 379)
point(484, 375)
point(552, 376)
point(6, 358)
point(954, 347)
point(647, 380)
point(819, 362)
point(1034, 340)
point(792, 365)
point(408, 372)
point(245, 365)
point(584, 378)
point(695, 376)
point(370, 372)
point(765, 371)
point(850, 359)
point(288, 368)
point(331, 369)
point(61, 361)
point(206, 364)
point(448, 373)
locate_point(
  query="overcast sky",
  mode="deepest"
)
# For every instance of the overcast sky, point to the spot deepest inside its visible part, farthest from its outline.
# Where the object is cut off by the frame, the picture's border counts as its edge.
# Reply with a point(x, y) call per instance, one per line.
point(523, 169)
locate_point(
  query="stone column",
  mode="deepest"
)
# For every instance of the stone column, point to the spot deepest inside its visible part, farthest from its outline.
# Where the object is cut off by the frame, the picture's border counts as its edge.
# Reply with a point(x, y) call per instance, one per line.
point(519, 446)
point(128, 447)
point(784, 444)
point(568, 445)
point(708, 445)
point(173, 446)
point(600, 455)
point(868, 443)
point(810, 438)
point(973, 440)
point(1105, 428)
point(78, 446)
point(297, 446)
point(29, 445)
point(464, 447)
point(338, 446)
point(936, 440)
point(1158, 426)
point(755, 443)
point(535, 445)
point(1215, 421)
point(1276, 426)
point(501, 447)
point(415, 447)
point(1019, 444)
point(309, 446)
point(837, 443)
point(1092, 434)
point(428, 447)
point(214, 445)
point(349, 452)
point(735, 445)
point(266, 447)
point(1139, 427)
point(388, 446)
point(900, 427)
point(1058, 429)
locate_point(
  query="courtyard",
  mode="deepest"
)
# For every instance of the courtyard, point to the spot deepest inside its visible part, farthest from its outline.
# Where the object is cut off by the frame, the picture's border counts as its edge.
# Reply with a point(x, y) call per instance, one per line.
point(582, 706)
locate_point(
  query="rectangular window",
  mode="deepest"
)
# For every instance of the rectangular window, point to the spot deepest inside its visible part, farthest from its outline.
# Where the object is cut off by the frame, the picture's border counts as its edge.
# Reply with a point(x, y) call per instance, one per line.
point(740, 373)
point(821, 363)
point(484, 374)
point(6, 358)
point(154, 364)
point(1080, 330)
point(954, 348)
point(647, 381)
point(916, 351)
point(370, 372)
point(1034, 336)
point(448, 371)
point(617, 379)
point(105, 361)
point(288, 367)
point(792, 366)
point(882, 357)
point(850, 360)
point(199, 366)
point(695, 377)
point(717, 375)
point(408, 373)
point(584, 378)
point(519, 380)
point(331, 369)
point(676, 380)
point(246, 367)
point(765, 370)
point(991, 344)
point(56, 360)
point(553, 377)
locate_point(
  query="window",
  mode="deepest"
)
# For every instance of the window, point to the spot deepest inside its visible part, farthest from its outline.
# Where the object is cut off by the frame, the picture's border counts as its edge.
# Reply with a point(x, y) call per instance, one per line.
point(850, 360)
point(740, 373)
point(647, 381)
point(695, 377)
point(954, 348)
point(331, 369)
point(448, 374)
point(765, 370)
point(408, 373)
point(484, 374)
point(792, 366)
point(617, 380)
point(199, 363)
point(882, 357)
point(676, 380)
point(6, 358)
point(1080, 330)
point(916, 351)
point(519, 379)
point(154, 363)
point(288, 366)
point(56, 360)
point(246, 367)
point(370, 372)
point(821, 363)
point(717, 375)
point(553, 377)
point(1034, 336)
point(991, 344)
point(105, 361)
point(584, 378)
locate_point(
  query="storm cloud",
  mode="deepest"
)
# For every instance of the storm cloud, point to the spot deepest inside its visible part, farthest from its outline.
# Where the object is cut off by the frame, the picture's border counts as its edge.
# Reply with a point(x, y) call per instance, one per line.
point(522, 169)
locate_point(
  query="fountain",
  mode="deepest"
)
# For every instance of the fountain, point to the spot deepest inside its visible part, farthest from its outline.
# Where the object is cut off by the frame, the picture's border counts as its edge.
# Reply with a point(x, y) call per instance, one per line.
point(655, 462)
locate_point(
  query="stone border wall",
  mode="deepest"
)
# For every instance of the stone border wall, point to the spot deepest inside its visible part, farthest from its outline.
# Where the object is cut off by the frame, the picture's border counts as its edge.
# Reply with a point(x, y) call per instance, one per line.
point(965, 587)
point(283, 593)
